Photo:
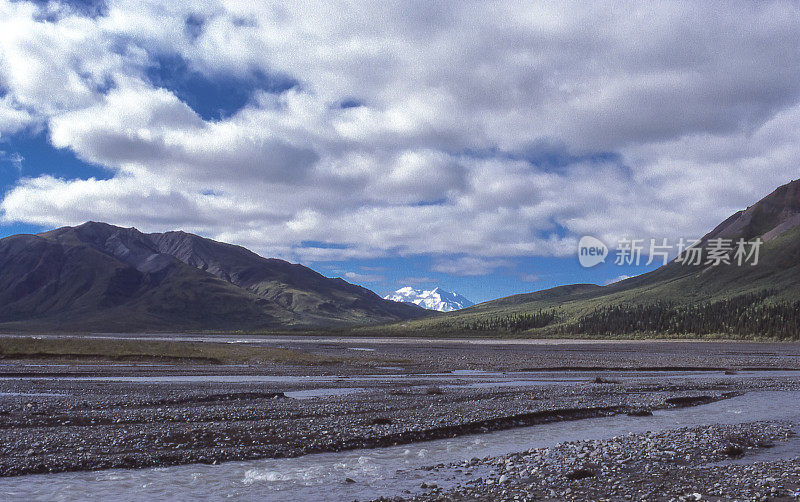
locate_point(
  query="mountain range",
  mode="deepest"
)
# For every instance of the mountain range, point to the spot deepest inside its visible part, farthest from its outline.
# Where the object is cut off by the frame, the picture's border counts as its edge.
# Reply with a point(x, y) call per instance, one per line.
point(101, 277)
point(435, 299)
point(675, 300)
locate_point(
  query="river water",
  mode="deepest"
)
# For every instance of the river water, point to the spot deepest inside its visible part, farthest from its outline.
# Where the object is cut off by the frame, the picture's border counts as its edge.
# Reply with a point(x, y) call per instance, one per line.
point(382, 471)
point(313, 386)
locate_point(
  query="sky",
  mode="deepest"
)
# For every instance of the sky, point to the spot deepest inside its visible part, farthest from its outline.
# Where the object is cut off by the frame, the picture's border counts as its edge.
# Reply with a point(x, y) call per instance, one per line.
point(467, 145)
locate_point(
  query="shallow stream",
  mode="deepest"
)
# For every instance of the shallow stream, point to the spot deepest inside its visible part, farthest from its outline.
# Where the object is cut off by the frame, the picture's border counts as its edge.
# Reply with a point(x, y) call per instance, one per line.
point(382, 471)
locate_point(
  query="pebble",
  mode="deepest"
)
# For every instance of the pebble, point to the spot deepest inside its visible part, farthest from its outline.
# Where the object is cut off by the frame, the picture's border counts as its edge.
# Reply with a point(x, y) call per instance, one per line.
point(701, 472)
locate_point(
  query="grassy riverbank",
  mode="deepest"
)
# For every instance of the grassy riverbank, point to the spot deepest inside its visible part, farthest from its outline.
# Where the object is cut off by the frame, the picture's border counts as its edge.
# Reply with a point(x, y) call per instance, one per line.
point(17, 347)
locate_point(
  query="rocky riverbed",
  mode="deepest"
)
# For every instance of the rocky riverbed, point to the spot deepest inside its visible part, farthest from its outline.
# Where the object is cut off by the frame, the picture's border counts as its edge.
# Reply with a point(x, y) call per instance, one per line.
point(82, 425)
point(687, 464)
point(68, 415)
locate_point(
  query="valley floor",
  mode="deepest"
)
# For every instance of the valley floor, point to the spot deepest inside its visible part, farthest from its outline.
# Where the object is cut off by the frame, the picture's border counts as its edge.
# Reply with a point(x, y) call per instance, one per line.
point(291, 396)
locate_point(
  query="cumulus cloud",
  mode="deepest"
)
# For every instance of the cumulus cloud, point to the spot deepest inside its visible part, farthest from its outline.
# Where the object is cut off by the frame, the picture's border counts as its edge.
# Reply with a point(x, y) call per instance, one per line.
point(12, 117)
point(484, 129)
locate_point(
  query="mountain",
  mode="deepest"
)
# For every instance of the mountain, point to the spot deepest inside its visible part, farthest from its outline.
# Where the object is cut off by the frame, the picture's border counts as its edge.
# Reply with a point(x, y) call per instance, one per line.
point(675, 300)
point(769, 218)
point(436, 299)
point(101, 277)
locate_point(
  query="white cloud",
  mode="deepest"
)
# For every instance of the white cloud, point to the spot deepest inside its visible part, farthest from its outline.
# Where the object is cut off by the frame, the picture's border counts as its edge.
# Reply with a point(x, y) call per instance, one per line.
point(616, 279)
point(12, 158)
point(469, 266)
point(12, 117)
point(485, 129)
point(356, 277)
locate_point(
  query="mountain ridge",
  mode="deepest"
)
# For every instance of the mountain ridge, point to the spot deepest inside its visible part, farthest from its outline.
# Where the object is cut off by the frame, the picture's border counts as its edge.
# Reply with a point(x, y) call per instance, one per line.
point(99, 276)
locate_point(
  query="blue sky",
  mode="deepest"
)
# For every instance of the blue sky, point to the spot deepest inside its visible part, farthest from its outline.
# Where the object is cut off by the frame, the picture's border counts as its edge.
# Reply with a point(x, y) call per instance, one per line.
point(460, 145)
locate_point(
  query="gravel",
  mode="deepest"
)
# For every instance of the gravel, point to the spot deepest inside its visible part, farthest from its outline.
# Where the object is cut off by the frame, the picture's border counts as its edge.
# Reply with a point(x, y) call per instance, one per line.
point(678, 465)
point(60, 423)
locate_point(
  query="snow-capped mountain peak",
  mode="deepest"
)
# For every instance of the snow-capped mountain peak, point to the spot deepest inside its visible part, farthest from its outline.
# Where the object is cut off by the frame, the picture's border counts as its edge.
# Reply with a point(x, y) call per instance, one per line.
point(435, 299)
